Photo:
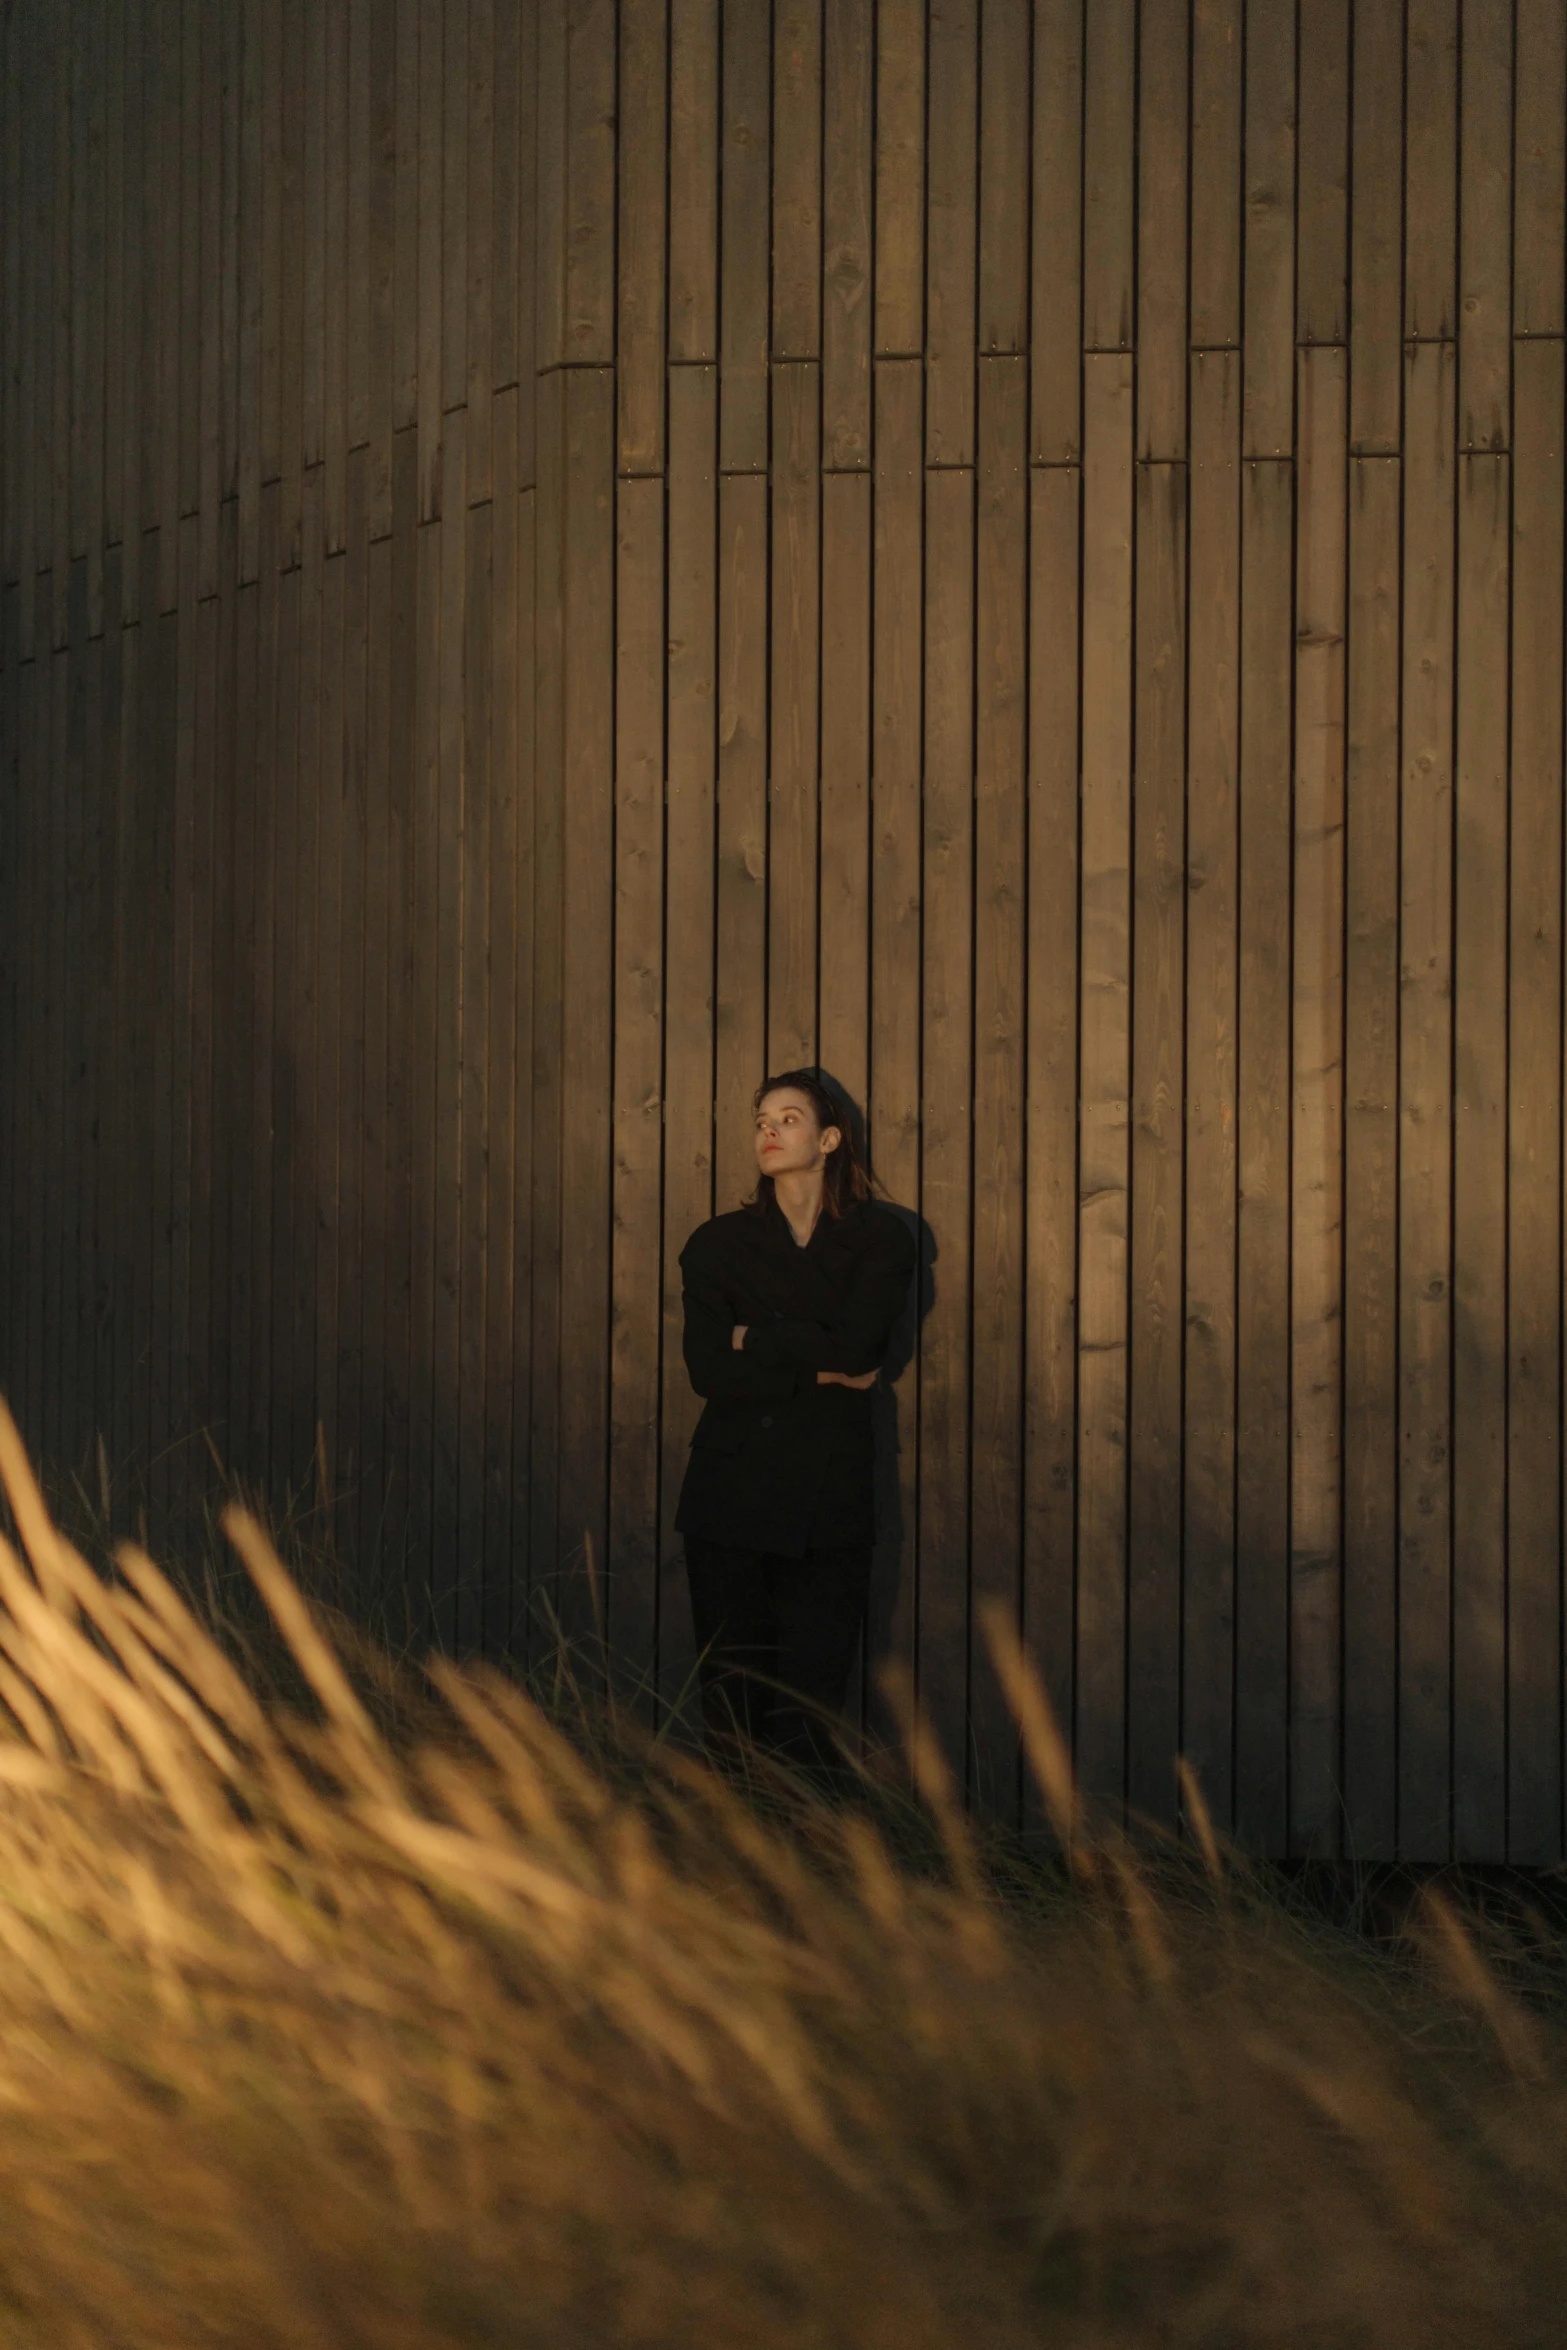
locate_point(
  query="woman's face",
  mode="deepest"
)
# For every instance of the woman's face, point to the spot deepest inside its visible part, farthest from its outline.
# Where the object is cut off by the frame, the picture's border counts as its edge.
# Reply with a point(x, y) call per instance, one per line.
point(788, 1139)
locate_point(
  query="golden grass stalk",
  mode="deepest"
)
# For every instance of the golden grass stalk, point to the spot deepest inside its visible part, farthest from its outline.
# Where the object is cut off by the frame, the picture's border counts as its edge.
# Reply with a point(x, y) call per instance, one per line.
point(314, 2037)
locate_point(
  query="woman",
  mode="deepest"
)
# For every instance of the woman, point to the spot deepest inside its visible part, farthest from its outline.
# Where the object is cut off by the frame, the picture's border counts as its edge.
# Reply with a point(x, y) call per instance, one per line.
point(789, 1304)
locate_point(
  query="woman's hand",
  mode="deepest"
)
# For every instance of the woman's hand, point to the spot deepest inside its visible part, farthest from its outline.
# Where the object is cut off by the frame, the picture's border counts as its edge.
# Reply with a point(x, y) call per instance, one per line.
point(737, 1336)
point(860, 1379)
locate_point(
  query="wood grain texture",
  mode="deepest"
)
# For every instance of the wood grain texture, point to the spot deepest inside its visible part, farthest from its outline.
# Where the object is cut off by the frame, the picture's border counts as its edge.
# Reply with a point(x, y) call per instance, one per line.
point(1485, 261)
point(553, 555)
point(847, 161)
point(1157, 1083)
point(1212, 945)
point(1317, 1102)
point(1269, 246)
point(794, 667)
point(1534, 1126)
point(1480, 1090)
point(951, 201)
point(946, 1100)
point(1371, 1082)
point(745, 247)
point(1056, 246)
point(1109, 175)
point(900, 177)
point(1161, 232)
point(897, 672)
point(1263, 1161)
point(1425, 1096)
point(797, 179)
point(717, 753)
point(1539, 126)
point(1050, 1280)
point(643, 196)
point(1376, 232)
point(1000, 964)
point(1430, 170)
point(1005, 60)
point(631, 1560)
point(1104, 1075)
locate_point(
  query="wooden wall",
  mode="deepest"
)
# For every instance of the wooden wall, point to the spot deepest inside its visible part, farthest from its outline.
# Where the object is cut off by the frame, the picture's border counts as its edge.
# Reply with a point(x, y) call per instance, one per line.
point(557, 557)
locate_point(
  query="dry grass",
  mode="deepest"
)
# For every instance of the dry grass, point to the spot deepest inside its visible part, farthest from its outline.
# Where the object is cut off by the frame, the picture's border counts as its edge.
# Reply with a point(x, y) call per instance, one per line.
point(320, 2037)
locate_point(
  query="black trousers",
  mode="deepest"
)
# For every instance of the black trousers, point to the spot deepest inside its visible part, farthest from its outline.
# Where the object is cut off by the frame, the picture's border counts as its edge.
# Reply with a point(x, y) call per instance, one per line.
point(776, 1637)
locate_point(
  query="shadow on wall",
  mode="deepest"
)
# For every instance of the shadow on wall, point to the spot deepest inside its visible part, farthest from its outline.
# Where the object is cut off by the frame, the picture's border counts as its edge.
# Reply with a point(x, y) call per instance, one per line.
point(894, 1419)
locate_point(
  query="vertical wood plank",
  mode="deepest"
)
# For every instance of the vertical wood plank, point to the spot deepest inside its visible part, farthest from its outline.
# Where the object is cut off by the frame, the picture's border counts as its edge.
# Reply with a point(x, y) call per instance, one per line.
point(795, 676)
point(428, 347)
point(636, 1275)
point(476, 1108)
point(1109, 174)
point(1000, 883)
point(740, 1005)
point(480, 289)
point(375, 1146)
point(590, 186)
point(1430, 169)
point(337, 861)
point(1269, 252)
point(745, 231)
point(1539, 214)
point(544, 1346)
point(848, 166)
point(893, 1120)
point(251, 210)
point(336, 282)
point(1480, 1218)
point(704, 682)
point(588, 975)
point(529, 1028)
point(900, 177)
point(1485, 260)
point(1056, 246)
point(1158, 879)
point(262, 1055)
point(1322, 224)
point(639, 373)
point(1317, 1138)
point(1425, 1110)
point(844, 1042)
point(946, 1111)
point(1376, 231)
point(302, 840)
point(1371, 1085)
point(1161, 231)
point(1050, 1293)
point(402, 806)
point(1212, 942)
point(505, 881)
point(797, 179)
point(1105, 1076)
point(405, 228)
point(693, 179)
point(1263, 1163)
point(1534, 1136)
point(952, 132)
point(1004, 109)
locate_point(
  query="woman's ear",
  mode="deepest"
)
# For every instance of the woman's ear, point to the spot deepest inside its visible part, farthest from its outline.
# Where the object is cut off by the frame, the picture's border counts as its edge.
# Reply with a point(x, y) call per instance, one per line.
point(831, 1137)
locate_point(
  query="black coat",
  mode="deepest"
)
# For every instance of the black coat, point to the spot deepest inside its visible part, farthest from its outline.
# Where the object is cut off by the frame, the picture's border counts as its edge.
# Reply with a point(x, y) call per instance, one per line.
point(778, 1462)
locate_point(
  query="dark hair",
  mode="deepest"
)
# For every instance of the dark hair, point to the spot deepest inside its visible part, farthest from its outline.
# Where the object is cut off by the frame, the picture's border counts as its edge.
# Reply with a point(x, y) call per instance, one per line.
point(846, 1179)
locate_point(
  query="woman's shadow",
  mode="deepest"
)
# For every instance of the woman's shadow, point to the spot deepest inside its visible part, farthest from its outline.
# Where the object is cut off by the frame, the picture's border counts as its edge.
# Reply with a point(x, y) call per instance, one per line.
point(893, 1419)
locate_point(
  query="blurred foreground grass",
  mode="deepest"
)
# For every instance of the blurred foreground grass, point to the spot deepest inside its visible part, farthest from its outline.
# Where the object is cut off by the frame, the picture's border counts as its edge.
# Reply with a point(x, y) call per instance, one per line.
point(320, 2031)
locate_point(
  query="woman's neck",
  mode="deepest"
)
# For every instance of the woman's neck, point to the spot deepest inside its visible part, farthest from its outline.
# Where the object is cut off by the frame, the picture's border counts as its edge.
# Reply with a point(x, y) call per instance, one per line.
point(800, 1198)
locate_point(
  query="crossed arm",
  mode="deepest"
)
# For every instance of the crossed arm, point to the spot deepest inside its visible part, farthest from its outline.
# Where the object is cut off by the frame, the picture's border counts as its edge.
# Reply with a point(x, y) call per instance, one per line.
point(770, 1361)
